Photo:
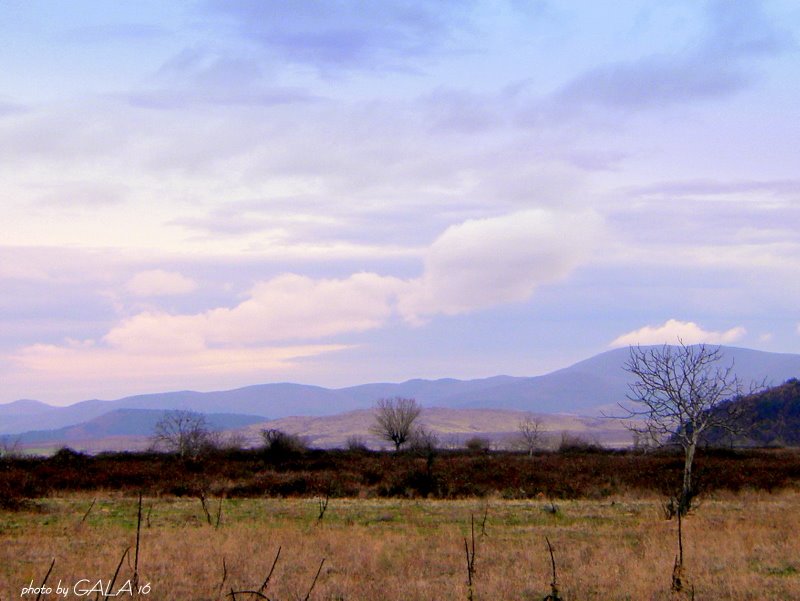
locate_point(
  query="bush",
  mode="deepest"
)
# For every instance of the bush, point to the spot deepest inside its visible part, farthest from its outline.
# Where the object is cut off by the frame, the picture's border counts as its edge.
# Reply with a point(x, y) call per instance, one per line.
point(356, 443)
point(18, 486)
point(573, 443)
point(478, 444)
point(281, 444)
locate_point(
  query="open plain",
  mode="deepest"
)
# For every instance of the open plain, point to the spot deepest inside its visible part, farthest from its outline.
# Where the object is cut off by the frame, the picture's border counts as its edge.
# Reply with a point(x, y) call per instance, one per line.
point(736, 547)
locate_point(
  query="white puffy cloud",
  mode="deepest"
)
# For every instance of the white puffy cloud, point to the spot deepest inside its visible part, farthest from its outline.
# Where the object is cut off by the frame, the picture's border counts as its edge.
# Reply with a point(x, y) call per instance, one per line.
point(673, 330)
point(150, 332)
point(292, 307)
point(474, 265)
point(288, 307)
point(157, 282)
point(484, 262)
point(247, 342)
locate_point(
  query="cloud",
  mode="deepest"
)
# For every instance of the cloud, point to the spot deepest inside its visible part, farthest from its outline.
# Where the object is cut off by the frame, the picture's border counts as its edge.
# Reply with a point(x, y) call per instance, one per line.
point(673, 330)
point(256, 338)
point(347, 35)
point(10, 108)
point(195, 77)
point(474, 265)
point(157, 282)
point(753, 190)
point(82, 194)
point(76, 364)
point(716, 65)
point(655, 81)
point(498, 260)
point(471, 266)
point(294, 307)
point(288, 307)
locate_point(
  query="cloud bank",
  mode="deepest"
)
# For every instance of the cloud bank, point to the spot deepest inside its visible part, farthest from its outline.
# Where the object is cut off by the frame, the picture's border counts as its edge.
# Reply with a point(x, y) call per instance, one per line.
point(471, 266)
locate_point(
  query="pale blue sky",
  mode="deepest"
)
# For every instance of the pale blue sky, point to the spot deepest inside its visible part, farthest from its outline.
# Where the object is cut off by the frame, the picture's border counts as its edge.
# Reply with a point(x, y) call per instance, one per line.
point(212, 194)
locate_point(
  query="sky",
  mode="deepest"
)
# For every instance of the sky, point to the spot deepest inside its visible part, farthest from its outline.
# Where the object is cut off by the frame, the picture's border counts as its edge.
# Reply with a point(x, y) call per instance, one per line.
point(212, 194)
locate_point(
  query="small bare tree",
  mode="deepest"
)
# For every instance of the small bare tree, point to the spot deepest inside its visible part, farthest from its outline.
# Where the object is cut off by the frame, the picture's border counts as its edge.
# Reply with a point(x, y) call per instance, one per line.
point(184, 432)
point(394, 419)
point(9, 448)
point(679, 393)
point(530, 433)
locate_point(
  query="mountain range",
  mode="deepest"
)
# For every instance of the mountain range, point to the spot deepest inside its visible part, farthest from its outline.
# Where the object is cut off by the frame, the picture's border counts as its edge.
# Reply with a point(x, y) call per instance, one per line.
point(586, 388)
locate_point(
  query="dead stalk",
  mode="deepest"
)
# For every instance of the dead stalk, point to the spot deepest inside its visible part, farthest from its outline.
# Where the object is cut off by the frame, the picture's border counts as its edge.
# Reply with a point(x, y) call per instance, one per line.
point(116, 573)
point(470, 557)
point(138, 533)
point(271, 570)
point(314, 582)
point(46, 576)
point(323, 505)
point(224, 575)
point(219, 514)
point(553, 596)
point(202, 496)
point(86, 515)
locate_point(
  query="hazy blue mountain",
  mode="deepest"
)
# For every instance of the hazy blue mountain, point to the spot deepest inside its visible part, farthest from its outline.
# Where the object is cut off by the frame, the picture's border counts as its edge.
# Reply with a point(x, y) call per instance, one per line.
point(23, 407)
point(266, 400)
point(127, 422)
point(444, 392)
point(582, 388)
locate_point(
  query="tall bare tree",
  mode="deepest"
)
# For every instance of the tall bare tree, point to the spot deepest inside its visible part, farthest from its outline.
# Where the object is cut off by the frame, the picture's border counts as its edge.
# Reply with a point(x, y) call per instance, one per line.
point(184, 432)
point(679, 393)
point(530, 433)
point(394, 419)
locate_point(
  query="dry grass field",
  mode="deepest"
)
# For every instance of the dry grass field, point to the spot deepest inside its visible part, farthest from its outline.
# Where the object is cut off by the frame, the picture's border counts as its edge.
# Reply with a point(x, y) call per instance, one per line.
point(737, 547)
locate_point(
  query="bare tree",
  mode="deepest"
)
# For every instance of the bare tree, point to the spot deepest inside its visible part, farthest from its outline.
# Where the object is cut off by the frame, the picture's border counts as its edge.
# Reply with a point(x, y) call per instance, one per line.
point(9, 448)
point(424, 442)
point(530, 433)
point(681, 392)
point(184, 432)
point(394, 419)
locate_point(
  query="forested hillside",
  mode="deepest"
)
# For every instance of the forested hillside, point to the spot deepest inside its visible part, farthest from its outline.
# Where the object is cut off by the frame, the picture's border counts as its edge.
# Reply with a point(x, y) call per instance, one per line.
point(769, 418)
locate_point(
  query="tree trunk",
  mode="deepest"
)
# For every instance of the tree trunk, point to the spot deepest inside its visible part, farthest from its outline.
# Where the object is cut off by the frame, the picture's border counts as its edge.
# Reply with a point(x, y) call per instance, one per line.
point(686, 491)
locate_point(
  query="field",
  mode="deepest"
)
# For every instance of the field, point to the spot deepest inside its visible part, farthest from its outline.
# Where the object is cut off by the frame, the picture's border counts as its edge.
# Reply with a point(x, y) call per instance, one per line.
point(394, 526)
point(737, 547)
